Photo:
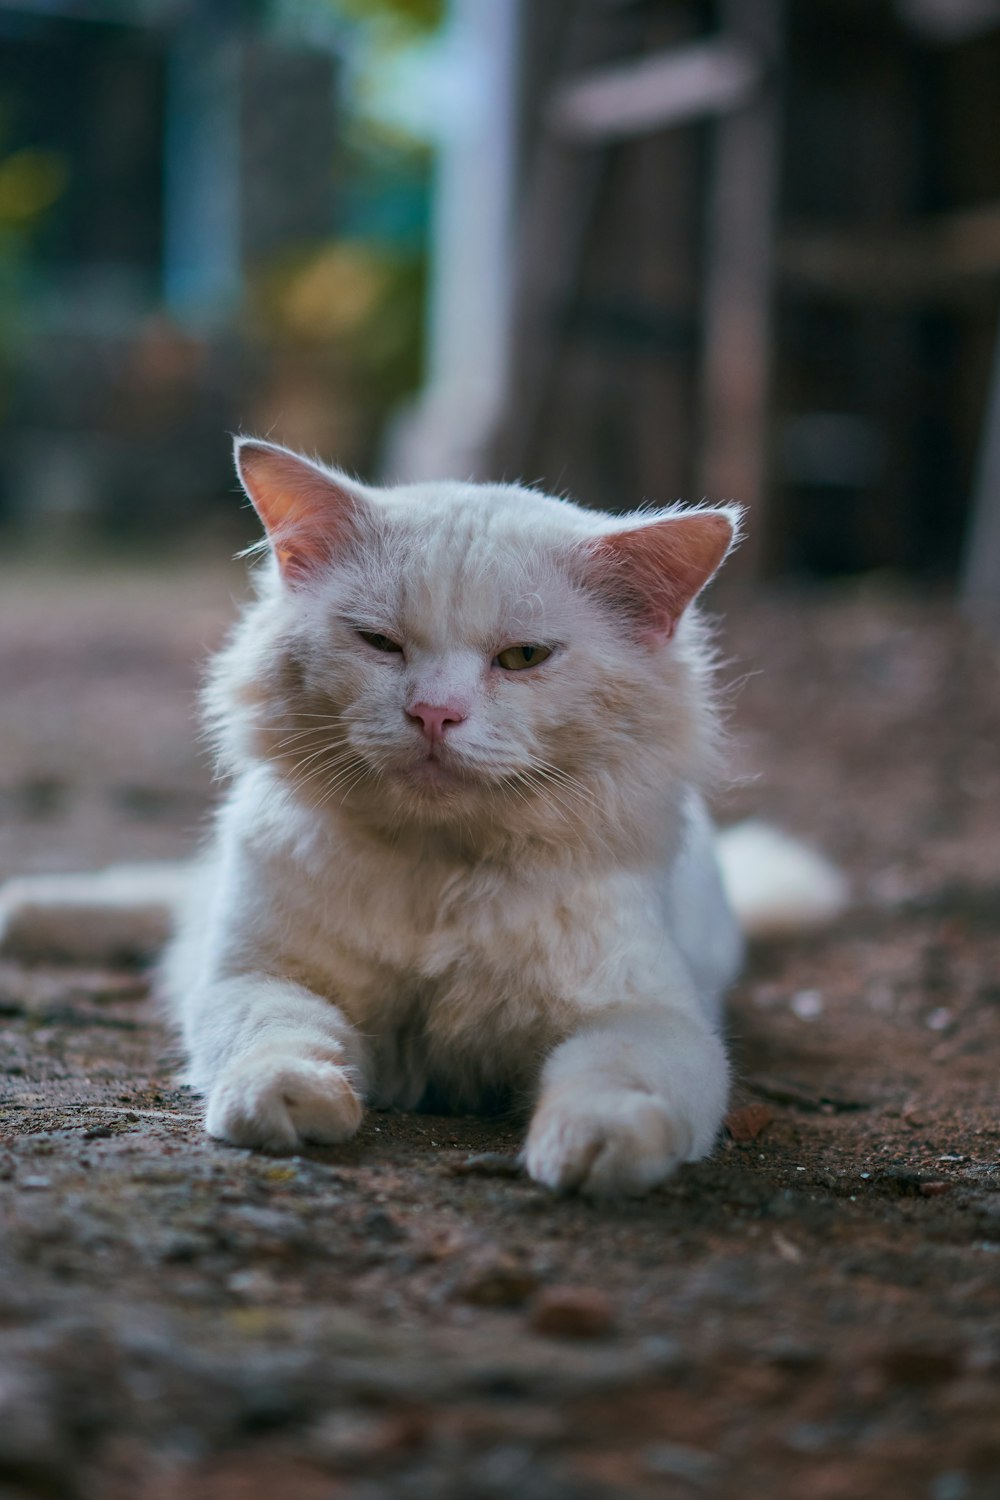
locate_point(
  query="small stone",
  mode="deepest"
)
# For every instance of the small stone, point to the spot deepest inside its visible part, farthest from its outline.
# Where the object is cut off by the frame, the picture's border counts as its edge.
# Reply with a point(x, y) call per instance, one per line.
point(253, 1286)
point(378, 1224)
point(904, 1180)
point(951, 1485)
point(787, 1354)
point(785, 1248)
point(181, 1248)
point(573, 1312)
point(933, 1189)
point(501, 1283)
point(487, 1164)
point(921, 1364)
point(678, 1461)
point(748, 1122)
point(351, 1440)
point(807, 1005)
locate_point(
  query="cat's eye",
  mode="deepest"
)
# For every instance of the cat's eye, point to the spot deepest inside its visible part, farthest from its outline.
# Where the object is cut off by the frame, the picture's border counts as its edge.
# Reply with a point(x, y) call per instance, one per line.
point(517, 658)
point(380, 642)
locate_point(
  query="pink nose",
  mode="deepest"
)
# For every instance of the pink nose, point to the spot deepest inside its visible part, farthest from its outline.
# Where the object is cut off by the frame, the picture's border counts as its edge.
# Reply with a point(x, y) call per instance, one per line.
point(435, 718)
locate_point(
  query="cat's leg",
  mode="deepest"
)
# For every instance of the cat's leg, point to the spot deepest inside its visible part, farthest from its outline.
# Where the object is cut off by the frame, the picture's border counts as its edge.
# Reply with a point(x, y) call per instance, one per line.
point(278, 1064)
point(625, 1100)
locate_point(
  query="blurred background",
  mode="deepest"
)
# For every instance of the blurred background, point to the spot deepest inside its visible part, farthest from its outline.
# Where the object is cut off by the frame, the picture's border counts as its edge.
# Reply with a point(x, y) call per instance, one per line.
point(631, 249)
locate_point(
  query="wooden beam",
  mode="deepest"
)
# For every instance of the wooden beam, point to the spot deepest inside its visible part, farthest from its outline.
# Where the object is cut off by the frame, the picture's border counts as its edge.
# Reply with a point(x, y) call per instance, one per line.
point(656, 92)
point(939, 257)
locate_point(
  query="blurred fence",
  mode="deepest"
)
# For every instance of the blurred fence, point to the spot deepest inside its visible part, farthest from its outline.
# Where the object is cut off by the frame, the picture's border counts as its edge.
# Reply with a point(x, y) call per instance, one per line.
point(748, 248)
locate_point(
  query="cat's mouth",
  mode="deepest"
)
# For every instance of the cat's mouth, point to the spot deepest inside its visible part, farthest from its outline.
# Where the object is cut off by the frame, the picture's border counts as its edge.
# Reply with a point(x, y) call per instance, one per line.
point(440, 773)
point(434, 774)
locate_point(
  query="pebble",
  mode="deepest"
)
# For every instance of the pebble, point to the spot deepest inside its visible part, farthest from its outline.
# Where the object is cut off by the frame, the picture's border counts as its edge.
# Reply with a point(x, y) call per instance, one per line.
point(353, 1439)
point(807, 1005)
point(381, 1225)
point(500, 1283)
point(951, 1485)
point(573, 1312)
point(921, 1364)
point(678, 1461)
point(487, 1164)
point(748, 1122)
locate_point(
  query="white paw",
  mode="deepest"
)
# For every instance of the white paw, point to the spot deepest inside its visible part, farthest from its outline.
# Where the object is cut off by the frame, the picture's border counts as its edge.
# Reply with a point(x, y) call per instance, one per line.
point(605, 1144)
point(275, 1103)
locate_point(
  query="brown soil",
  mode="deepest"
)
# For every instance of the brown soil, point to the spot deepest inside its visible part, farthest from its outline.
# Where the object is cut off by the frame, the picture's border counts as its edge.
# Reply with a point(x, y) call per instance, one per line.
point(814, 1311)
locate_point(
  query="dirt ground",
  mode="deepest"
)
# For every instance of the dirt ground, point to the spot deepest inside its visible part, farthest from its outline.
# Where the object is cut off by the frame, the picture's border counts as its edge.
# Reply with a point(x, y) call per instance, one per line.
point(814, 1311)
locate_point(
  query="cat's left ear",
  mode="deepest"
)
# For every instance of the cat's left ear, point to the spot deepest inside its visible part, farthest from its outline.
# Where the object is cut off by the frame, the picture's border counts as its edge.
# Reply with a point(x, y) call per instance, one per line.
point(310, 515)
point(652, 570)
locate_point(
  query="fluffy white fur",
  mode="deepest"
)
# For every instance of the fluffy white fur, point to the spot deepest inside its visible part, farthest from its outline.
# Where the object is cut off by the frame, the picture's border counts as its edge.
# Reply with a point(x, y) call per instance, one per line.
point(529, 906)
point(506, 919)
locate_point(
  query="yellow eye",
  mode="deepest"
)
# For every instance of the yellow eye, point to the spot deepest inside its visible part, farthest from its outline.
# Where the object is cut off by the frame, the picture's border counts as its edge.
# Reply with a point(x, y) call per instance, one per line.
point(516, 658)
point(380, 642)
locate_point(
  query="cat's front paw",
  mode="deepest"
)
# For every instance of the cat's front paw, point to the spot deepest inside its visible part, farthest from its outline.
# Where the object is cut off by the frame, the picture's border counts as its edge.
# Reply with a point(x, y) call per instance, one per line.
point(622, 1141)
point(277, 1103)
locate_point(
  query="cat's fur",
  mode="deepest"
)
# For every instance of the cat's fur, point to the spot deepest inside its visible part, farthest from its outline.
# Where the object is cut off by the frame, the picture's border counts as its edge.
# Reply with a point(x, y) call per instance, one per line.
point(437, 879)
point(536, 911)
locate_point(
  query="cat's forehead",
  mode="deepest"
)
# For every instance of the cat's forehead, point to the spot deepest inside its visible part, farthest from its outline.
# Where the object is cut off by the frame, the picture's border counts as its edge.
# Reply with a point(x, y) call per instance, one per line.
point(478, 514)
point(470, 558)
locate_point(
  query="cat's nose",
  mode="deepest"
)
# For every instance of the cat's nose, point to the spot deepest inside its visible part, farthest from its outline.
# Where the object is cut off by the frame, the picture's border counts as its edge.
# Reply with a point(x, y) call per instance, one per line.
point(435, 718)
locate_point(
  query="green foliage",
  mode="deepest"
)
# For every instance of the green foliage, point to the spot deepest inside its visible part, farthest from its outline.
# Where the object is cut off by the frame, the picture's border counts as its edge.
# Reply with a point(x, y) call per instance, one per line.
point(413, 15)
point(360, 299)
point(31, 181)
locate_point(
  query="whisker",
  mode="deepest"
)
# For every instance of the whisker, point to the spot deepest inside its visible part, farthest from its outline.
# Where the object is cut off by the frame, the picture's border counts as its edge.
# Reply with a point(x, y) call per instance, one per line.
point(320, 774)
point(307, 752)
point(303, 741)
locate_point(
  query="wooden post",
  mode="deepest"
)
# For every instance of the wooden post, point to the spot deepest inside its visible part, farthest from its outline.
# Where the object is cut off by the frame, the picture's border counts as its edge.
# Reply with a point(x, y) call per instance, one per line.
point(979, 589)
point(556, 218)
point(737, 306)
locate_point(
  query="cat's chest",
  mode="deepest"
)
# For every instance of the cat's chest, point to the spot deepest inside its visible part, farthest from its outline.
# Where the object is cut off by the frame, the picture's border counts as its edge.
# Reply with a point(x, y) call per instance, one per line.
point(426, 919)
point(367, 926)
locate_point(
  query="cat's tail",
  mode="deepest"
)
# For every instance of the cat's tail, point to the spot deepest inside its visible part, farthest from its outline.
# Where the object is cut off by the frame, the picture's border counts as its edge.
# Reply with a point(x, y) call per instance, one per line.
point(126, 911)
point(776, 885)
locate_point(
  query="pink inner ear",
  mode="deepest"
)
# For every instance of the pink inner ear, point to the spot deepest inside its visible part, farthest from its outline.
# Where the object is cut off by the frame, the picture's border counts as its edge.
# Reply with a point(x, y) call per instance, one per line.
point(652, 572)
point(308, 515)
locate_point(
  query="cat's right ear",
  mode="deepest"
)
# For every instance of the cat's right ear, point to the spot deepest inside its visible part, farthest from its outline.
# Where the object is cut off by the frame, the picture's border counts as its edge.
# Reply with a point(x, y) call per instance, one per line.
point(309, 514)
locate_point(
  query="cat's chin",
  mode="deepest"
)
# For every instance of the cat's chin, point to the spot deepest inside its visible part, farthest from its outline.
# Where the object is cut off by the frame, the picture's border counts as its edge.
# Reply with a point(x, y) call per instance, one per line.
point(434, 778)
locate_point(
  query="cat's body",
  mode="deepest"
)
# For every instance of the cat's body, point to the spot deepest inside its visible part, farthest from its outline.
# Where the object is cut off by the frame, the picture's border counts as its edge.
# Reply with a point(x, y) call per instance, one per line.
point(459, 976)
point(465, 854)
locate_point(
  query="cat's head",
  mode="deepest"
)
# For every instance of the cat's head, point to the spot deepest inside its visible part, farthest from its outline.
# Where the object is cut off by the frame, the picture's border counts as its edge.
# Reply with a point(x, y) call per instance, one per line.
point(482, 659)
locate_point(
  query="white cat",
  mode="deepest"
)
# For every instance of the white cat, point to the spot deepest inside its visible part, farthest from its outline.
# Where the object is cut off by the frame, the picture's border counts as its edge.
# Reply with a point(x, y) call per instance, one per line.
point(465, 853)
